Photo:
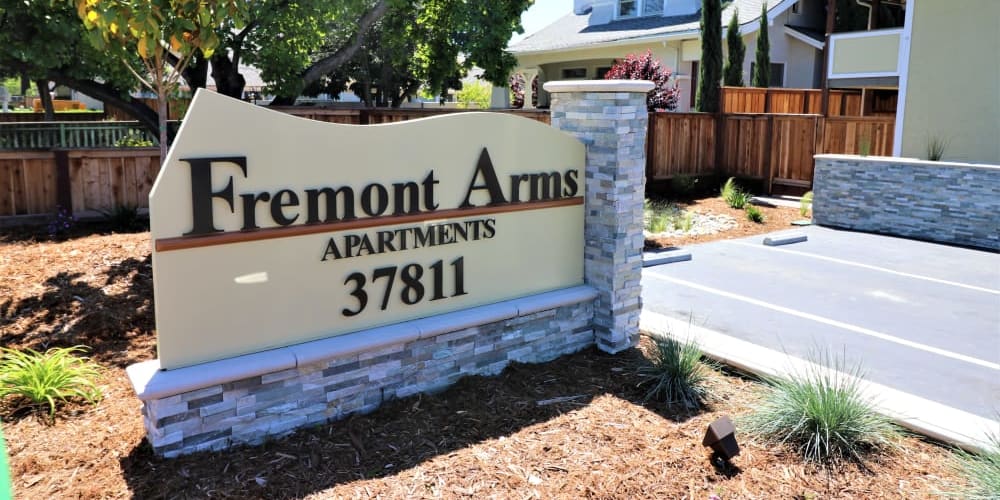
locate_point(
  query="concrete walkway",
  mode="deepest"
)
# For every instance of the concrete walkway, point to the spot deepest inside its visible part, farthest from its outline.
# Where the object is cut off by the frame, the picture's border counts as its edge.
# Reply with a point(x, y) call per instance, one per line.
point(923, 320)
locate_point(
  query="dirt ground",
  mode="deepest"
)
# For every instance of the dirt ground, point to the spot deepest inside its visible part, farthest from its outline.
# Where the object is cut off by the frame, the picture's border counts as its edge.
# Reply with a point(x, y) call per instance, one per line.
point(775, 219)
point(499, 437)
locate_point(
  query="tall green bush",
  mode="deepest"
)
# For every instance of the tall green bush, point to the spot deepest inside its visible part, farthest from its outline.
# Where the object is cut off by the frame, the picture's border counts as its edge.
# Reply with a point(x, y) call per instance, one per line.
point(762, 63)
point(710, 68)
point(732, 73)
point(477, 93)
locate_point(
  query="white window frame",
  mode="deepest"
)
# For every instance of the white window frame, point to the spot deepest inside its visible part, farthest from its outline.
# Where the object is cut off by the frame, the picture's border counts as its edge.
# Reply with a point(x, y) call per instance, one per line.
point(639, 9)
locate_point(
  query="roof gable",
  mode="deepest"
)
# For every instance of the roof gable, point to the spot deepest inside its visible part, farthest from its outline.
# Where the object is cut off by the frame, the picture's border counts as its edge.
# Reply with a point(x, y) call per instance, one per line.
point(573, 30)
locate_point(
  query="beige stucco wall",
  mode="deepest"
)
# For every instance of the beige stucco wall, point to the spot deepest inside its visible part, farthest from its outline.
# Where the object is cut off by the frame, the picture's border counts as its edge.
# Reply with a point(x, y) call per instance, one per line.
point(953, 88)
point(876, 52)
point(800, 59)
point(551, 64)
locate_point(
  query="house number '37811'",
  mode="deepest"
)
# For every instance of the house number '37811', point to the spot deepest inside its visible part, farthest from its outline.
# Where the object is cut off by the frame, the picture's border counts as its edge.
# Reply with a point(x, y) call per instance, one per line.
point(413, 289)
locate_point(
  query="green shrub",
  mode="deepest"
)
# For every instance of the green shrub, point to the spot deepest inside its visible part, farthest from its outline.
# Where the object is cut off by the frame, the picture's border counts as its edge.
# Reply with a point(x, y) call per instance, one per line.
point(124, 219)
point(658, 223)
point(822, 414)
point(50, 378)
point(675, 373)
point(474, 92)
point(805, 204)
point(733, 195)
point(981, 470)
point(134, 140)
point(754, 214)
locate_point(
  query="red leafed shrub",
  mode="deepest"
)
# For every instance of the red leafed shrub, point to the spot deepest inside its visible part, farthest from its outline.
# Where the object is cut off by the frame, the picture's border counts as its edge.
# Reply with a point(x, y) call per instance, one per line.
point(517, 90)
point(645, 67)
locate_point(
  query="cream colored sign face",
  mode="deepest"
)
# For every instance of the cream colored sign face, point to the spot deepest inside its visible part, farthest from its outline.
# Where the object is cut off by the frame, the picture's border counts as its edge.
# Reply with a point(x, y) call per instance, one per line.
point(270, 230)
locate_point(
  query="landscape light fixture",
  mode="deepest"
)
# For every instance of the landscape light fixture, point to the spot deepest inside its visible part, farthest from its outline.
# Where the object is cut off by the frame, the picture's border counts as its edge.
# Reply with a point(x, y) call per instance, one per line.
point(721, 437)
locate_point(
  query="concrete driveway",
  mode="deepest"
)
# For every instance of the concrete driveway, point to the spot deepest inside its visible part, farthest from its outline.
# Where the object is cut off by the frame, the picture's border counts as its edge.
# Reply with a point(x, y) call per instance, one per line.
point(921, 318)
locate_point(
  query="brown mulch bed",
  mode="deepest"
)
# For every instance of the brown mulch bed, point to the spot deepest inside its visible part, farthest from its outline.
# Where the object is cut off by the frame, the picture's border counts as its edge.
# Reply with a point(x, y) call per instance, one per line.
point(775, 219)
point(484, 437)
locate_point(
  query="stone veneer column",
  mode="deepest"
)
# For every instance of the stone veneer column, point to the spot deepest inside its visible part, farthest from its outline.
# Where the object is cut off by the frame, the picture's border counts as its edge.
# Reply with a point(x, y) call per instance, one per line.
point(609, 117)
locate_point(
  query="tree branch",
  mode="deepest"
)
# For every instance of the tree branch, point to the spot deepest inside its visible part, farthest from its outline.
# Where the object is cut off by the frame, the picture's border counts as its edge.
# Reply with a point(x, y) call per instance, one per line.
point(110, 95)
point(345, 53)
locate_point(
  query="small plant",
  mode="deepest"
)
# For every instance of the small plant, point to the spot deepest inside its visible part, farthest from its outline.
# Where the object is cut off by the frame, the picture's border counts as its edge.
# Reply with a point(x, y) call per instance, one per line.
point(936, 147)
point(134, 139)
point(982, 471)
point(823, 414)
point(61, 224)
point(124, 219)
point(733, 195)
point(50, 378)
point(688, 222)
point(754, 214)
point(675, 373)
point(865, 145)
point(805, 204)
point(658, 223)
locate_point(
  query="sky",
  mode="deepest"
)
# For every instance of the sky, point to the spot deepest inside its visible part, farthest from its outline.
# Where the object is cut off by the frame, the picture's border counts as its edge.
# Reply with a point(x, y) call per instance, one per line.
point(541, 14)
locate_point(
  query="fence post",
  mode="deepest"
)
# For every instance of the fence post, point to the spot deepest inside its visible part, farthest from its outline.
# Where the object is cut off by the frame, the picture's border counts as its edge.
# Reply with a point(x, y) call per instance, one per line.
point(610, 118)
point(768, 156)
point(64, 192)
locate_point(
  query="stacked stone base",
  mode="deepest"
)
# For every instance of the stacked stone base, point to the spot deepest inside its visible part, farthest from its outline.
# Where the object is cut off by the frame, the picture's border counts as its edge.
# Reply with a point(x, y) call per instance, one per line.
point(248, 399)
point(953, 203)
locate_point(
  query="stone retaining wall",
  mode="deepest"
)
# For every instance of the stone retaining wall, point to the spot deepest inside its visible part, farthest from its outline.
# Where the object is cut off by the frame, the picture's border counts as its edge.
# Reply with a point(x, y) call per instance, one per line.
point(272, 393)
point(954, 203)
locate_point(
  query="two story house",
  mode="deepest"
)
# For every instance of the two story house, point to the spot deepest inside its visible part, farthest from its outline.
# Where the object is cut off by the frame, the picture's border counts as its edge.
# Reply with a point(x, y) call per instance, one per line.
point(585, 43)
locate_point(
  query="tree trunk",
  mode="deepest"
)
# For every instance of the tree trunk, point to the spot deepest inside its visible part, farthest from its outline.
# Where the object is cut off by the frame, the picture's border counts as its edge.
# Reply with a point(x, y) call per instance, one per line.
point(162, 96)
point(228, 80)
point(111, 96)
point(43, 94)
point(196, 72)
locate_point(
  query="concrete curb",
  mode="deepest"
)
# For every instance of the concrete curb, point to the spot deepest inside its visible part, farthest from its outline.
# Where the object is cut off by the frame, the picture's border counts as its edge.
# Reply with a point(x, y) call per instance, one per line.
point(650, 259)
point(935, 420)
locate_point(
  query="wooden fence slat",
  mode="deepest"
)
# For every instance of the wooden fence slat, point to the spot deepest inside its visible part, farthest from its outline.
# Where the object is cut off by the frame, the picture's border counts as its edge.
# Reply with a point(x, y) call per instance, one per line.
point(7, 187)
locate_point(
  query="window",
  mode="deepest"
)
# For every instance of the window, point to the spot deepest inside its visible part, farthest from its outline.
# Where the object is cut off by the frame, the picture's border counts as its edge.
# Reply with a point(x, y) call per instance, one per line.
point(777, 76)
point(795, 8)
point(602, 72)
point(637, 8)
point(626, 8)
point(574, 73)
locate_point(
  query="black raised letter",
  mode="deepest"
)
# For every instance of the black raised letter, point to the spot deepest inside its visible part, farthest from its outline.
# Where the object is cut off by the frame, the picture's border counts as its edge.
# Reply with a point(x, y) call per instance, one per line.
point(202, 194)
point(492, 185)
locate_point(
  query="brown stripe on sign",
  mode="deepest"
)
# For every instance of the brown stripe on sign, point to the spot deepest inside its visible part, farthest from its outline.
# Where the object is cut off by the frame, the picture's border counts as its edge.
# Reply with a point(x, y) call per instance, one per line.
point(183, 243)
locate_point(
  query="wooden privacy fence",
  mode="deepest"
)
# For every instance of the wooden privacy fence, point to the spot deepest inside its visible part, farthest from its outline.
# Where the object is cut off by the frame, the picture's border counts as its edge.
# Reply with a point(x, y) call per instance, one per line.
point(789, 101)
point(37, 183)
point(85, 135)
point(777, 149)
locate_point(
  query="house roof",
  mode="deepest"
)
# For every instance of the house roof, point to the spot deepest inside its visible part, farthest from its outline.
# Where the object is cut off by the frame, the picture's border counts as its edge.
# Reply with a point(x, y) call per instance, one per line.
point(572, 30)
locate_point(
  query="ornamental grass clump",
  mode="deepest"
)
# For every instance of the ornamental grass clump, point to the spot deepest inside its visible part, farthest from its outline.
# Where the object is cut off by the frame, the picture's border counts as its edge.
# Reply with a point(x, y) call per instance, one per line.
point(822, 414)
point(981, 470)
point(733, 195)
point(805, 204)
point(48, 379)
point(675, 373)
point(754, 214)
